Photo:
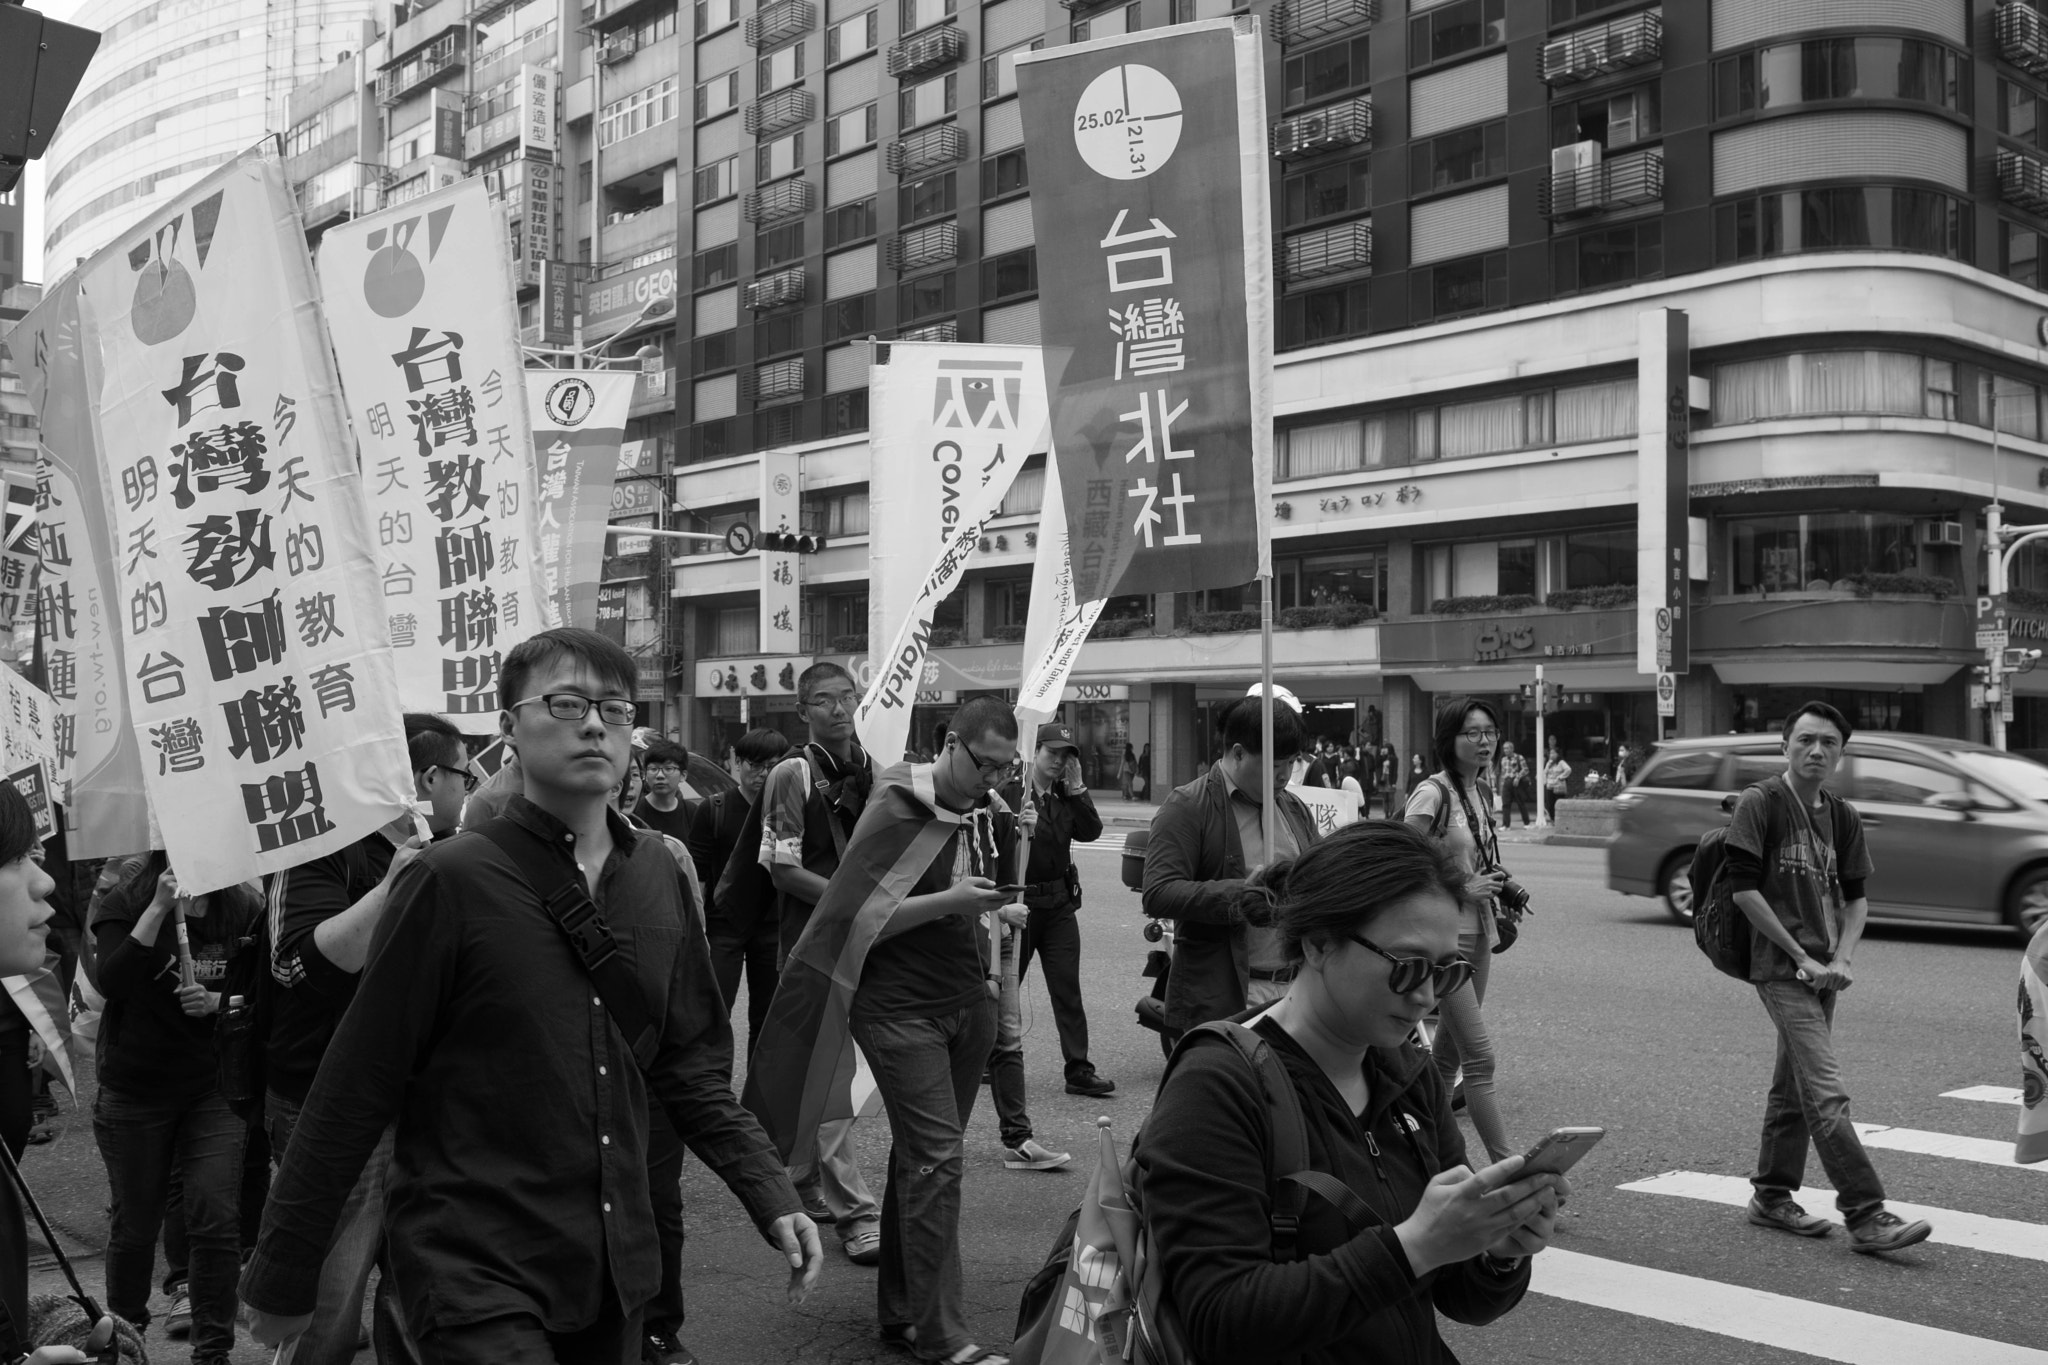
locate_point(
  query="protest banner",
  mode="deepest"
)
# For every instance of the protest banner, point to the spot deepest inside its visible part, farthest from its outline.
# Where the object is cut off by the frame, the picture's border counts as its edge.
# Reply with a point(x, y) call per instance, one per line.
point(1155, 302)
point(98, 757)
point(419, 300)
point(257, 671)
point(1058, 625)
point(1331, 808)
point(17, 570)
point(33, 782)
point(579, 419)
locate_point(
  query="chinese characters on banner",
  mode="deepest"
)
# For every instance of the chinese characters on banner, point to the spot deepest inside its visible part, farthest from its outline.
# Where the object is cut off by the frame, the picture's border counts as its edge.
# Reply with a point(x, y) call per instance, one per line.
point(98, 756)
point(27, 716)
point(781, 510)
point(1156, 308)
point(420, 304)
point(1058, 624)
point(578, 418)
point(259, 678)
point(17, 572)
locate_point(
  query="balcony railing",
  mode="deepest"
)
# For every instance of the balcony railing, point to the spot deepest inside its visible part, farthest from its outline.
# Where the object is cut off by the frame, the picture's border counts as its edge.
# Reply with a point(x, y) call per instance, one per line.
point(926, 246)
point(779, 290)
point(928, 51)
point(949, 330)
point(780, 22)
point(783, 109)
point(781, 380)
point(2023, 180)
point(1297, 21)
point(1590, 52)
point(1621, 183)
point(927, 150)
point(1321, 130)
point(1330, 251)
point(784, 199)
point(618, 47)
point(422, 69)
point(2023, 36)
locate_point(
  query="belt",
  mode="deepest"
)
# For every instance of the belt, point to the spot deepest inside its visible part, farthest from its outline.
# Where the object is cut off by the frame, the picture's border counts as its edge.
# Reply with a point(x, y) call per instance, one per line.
point(1046, 888)
point(1275, 974)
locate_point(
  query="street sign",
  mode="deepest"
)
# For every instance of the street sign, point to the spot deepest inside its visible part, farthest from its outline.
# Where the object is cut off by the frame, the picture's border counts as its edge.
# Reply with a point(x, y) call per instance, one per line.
point(1667, 695)
point(1993, 640)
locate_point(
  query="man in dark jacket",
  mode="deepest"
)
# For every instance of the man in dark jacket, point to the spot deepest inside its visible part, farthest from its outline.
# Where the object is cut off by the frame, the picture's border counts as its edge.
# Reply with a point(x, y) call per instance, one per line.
point(739, 895)
point(1204, 841)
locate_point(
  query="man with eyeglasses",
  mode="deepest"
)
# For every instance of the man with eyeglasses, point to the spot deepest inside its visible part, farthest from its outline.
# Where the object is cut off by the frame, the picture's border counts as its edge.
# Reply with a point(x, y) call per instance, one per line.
point(662, 806)
point(809, 806)
point(519, 1218)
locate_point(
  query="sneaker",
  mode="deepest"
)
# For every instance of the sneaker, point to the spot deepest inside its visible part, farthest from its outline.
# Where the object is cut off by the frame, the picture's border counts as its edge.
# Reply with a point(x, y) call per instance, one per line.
point(178, 1320)
point(1029, 1155)
point(814, 1205)
point(1786, 1216)
point(1088, 1083)
point(863, 1247)
point(660, 1347)
point(1884, 1231)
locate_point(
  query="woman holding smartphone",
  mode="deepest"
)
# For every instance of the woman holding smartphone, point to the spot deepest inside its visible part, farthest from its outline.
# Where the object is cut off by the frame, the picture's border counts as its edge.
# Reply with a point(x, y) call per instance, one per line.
point(1371, 917)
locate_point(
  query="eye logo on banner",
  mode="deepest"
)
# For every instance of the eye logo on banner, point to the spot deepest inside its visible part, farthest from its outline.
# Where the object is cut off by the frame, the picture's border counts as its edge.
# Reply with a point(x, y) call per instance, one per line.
point(977, 395)
point(1127, 122)
point(165, 299)
point(569, 401)
point(395, 281)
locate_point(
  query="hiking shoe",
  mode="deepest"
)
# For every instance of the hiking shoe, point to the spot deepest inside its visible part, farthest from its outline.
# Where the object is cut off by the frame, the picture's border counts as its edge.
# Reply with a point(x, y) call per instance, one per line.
point(1029, 1155)
point(660, 1347)
point(863, 1247)
point(1090, 1084)
point(815, 1206)
point(178, 1320)
point(1786, 1216)
point(1884, 1231)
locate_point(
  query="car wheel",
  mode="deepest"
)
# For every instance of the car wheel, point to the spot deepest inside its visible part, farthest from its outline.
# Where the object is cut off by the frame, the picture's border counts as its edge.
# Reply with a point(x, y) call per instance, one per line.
point(1674, 884)
point(2026, 905)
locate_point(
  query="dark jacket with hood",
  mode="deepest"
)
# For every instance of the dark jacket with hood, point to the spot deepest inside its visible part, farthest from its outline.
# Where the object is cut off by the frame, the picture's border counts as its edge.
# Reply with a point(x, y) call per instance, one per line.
point(1350, 1297)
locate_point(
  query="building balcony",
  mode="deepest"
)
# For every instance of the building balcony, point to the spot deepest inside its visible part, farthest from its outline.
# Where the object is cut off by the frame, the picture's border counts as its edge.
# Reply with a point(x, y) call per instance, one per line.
point(420, 69)
point(928, 51)
point(1298, 21)
point(927, 150)
point(617, 48)
point(789, 198)
point(1328, 251)
point(949, 330)
point(354, 202)
point(427, 23)
point(1591, 52)
point(1623, 182)
point(783, 109)
point(780, 22)
point(778, 381)
point(1320, 130)
point(780, 290)
point(2023, 180)
point(932, 245)
point(2023, 36)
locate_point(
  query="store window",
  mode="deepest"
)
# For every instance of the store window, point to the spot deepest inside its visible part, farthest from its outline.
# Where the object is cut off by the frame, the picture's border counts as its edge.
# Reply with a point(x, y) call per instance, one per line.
point(1817, 552)
point(1842, 219)
point(1762, 710)
point(1818, 69)
point(1826, 383)
point(1332, 448)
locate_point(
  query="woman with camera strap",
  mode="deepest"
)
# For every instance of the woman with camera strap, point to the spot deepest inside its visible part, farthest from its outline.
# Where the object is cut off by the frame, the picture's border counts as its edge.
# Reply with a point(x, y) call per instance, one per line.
point(1455, 806)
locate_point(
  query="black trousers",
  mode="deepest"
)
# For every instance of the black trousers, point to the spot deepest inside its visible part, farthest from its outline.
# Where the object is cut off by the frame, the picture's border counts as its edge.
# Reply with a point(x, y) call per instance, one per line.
point(614, 1339)
point(735, 950)
point(1055, 936)
point(665, 1154)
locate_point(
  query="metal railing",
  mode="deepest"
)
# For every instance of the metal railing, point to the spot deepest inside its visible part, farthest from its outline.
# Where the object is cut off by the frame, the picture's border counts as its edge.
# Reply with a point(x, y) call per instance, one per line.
point(783, 109)
point(2023, 180)
point(926, 246)
point(928, 51)
point(789, 198)
point(2023, 36)
point(1626, 42)
point(1320, 130)
point(1298, 21)
point(779, 290)
point(1622, 182)
point(1330, 251)
point(927, 150)
point(782, 20)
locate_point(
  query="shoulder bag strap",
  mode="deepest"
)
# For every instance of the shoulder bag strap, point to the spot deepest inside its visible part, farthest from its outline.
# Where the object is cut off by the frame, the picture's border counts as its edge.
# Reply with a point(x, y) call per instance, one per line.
point(567, 902)
point(1442, 819)
point(828, 797)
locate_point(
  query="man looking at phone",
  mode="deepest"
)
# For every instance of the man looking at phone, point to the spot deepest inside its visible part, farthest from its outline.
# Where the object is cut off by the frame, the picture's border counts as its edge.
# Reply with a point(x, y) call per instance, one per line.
point(1797, 861)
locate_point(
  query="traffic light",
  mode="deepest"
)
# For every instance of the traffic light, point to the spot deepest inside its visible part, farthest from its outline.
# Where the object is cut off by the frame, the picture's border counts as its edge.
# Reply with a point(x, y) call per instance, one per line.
point(789, 542)
point(1549, 699)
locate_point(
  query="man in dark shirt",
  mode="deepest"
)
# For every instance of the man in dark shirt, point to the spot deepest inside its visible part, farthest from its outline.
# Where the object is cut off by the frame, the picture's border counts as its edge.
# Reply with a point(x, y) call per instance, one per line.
point(662, 806)
point(1797, 863)
point(322, 916)
point(518, 1214)
point(739, 893)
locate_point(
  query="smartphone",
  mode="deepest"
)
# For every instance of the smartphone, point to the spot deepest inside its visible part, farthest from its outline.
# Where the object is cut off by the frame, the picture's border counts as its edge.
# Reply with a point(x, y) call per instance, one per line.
point(1558, 1152)
point(1013, 890)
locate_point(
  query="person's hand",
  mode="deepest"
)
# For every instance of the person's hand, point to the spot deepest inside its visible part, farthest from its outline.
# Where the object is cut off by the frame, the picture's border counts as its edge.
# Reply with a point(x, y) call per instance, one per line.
point(1825, 976)
point(1463, 1212)
point(274, 1329)
point(1486, 885)
point(796, 1237)
point(402, 859)
point(197, 1001)
point(1534, 1235)
point(1014, 915)
point(58, 1355)
point(1071, 775)
point(1028, 818)
point(973, 896)
point(166, 895)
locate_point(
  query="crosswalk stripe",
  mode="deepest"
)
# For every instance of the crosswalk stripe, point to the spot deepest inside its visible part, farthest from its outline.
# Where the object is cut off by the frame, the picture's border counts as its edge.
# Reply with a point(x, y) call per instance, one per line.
point(1952, 1227)
point(1989, 1094)
point(1816, 1329)
point(1990, 1151)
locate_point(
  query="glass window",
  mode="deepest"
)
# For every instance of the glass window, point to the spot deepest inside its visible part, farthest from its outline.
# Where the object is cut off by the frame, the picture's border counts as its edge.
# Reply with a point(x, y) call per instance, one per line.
point(1328, 71)
point(2017, 405)
point(719, 180)
point(1454, 29)
point(718, 95)
point(1516, 574)
point(1819, 383)
point(851, 38)
point(735, 630)
point(777, 245)
point(2019, 253)
point(1595, 412)
point(636, 113)
point(1609, 257)
point(718, 351)
point(1614, 121)
point(1459, 158)
point(1897, 779)
point(854, 317)
point(785, 66)
point(1108, 23)
point(850, 131)
point(1320, 315)
point(783, 156)
point(1009, 276)
point(1338, 580)
point(921, 199)
point(1940, 398)
point(1327, 190)
point(934, 99)
point(2019, 112)
point(1817, 69)
point(1332, 447)
point(1027, 492)
point(1691, 770)
point(713, 15)
point(922, 298)
point(849, 223)
point(1840, 219)
point(1600, 558)
point(917, 14)
point(999, 70)
point(1004, 173)
point(1817, 552)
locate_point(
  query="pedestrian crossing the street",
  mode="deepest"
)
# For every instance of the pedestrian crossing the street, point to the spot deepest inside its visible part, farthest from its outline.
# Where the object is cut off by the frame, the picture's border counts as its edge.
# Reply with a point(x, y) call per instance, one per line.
point(1824, 1331)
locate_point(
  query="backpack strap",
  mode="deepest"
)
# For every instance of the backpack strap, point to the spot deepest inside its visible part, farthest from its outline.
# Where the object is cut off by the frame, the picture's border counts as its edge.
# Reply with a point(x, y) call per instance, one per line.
point(828, 794)
point(1440, 821)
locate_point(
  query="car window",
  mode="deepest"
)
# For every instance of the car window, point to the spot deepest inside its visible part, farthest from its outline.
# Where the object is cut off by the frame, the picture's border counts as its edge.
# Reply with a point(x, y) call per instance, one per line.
point(1691, 770)
point(1756, 765)
point(2022, 775)
point(1897, 778)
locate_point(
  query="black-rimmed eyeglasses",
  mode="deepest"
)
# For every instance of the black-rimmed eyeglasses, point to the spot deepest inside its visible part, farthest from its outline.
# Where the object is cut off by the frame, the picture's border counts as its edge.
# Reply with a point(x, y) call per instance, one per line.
point(469, 779)
point(574, 706)
point(1410, 972)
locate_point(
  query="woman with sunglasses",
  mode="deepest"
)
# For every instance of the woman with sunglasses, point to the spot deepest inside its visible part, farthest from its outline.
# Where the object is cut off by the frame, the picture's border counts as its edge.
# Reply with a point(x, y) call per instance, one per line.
point(1371, 916)
point(1454, 806)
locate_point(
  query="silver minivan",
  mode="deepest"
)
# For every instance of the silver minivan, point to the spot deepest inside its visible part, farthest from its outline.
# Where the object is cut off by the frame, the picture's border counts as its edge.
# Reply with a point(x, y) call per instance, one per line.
point(1958, 831)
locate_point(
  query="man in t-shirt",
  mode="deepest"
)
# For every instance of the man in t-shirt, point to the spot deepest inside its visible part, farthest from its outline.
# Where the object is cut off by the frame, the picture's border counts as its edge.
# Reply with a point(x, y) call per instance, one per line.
point(322, 916)
point(809, 806)
point(662, 807)
point(1797, 862)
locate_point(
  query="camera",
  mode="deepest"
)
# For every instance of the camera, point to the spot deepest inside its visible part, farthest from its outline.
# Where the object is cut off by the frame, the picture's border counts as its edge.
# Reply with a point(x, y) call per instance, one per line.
point(1513, 896)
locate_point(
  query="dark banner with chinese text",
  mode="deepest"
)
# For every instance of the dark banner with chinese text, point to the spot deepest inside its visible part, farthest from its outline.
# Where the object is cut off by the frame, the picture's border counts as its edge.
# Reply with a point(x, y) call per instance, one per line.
point(1155, 302)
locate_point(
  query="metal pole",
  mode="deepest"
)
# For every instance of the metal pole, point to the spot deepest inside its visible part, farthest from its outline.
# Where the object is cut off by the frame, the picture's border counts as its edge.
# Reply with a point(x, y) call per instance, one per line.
point(1266, 704)
point(1542, 757)
point(1994, 536)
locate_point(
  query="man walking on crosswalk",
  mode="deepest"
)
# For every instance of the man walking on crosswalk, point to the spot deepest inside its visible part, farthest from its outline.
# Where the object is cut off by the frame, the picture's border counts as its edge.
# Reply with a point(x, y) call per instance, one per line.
point(1796, 855)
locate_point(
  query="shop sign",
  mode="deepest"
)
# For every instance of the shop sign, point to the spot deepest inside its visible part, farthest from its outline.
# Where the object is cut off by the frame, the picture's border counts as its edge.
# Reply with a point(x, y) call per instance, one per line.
point(611, 612)
point(1096, 692)
point(775, 675)
point(537, 112)
point(937, 698)
point(609, 303)
point(637, 457)
point(1531, 640)
point(537, 219)
point(557, 303)
point(632, 498)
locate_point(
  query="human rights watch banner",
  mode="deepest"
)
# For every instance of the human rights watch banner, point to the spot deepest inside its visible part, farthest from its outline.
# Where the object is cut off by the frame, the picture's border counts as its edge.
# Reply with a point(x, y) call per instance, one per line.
point(1155, 305)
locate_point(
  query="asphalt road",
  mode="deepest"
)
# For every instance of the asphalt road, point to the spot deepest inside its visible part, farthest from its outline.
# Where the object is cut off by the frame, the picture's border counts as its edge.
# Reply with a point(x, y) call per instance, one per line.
point(1605, 1014)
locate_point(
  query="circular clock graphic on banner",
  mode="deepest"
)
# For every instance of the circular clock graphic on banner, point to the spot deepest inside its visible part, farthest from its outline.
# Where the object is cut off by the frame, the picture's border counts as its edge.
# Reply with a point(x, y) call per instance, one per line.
point(569, 401)
point(1127, 122)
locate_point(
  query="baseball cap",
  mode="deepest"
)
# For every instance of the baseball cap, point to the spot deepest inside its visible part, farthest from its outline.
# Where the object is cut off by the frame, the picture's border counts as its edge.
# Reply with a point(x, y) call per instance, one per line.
point(1058, 736)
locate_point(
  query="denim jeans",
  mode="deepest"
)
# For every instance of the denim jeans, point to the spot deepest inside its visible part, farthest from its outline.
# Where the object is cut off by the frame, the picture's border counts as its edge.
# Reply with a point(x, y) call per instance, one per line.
point(1464, 1041)
point(141, 1141)
point(1006, 1062)
point(338, 1306)
point(1054, 936)
point(834, 1178)
point(1808, 1102)
point(255, 1189)
point(928, 1071)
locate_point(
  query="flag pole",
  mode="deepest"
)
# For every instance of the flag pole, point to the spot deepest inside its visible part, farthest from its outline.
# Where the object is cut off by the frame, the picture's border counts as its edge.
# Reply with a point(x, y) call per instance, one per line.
point(1266, 701)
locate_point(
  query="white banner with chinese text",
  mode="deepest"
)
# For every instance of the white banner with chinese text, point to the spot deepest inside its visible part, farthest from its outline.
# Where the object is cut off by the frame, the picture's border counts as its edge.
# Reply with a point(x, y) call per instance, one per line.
point(1058, 625)
point(259, 679)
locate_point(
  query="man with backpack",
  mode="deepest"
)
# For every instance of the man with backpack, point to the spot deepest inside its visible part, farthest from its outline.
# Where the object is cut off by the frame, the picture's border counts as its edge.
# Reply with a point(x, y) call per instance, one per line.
point(1796, 866)
point(739, 911)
